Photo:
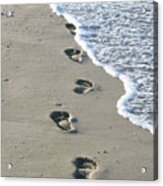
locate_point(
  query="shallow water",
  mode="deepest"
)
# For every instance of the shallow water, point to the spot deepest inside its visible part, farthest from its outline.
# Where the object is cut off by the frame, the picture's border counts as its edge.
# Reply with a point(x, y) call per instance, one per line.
point(119, 36)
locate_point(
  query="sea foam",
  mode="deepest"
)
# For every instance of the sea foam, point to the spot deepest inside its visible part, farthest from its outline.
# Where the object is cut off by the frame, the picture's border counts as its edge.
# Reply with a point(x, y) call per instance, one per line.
point(119, 37)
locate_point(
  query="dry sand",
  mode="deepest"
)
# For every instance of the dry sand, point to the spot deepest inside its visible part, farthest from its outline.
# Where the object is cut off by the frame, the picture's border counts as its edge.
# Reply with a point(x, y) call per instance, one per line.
point(37, 75)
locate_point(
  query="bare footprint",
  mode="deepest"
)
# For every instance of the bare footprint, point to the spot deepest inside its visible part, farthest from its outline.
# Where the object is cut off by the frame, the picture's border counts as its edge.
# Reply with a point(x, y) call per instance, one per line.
point(71, 28)
point(84, 87)
point(74, 54)
point(85, 168)
point(63, 121)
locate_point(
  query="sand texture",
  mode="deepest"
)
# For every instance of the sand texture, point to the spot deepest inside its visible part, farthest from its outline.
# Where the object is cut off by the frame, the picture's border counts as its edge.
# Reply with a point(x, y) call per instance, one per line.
point(38, 80)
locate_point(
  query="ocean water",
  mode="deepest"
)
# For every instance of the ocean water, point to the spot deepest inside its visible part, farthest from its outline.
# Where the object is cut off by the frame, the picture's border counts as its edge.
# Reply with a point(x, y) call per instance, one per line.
point(120, 37)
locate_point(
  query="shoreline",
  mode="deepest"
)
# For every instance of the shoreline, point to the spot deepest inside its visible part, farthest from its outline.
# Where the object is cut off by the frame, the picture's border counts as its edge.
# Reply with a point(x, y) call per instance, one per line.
point(127, 82)
point(42, 76)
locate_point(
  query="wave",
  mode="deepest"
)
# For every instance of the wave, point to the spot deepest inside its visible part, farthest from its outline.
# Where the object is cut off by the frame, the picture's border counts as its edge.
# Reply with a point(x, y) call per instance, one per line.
point(119, 37)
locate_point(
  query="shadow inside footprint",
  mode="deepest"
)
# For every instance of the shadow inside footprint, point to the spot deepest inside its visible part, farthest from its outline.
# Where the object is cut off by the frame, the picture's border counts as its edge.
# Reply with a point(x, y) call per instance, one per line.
point(84, 168)
point(71, 28)
point(74, 54)
point(63, 121)
point(85, 83)
point(84, 87)
point(71, 51)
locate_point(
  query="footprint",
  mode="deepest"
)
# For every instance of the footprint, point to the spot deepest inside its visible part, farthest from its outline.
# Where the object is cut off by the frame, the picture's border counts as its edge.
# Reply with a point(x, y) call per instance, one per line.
point(85, 168)
point(75, 55)
point(84, 87)
point(63, 120)
point(71, 28)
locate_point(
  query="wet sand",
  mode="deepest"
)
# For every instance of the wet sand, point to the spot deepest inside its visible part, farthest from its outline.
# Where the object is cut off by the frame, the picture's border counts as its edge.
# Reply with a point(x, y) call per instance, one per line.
point(38, 78)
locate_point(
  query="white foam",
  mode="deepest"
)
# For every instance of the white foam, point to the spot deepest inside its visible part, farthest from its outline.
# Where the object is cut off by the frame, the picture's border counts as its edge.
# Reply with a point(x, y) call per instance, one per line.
point(132, 65)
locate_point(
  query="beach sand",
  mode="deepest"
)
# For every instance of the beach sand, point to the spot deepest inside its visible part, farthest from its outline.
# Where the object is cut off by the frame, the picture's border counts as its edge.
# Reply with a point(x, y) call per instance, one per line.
point(38, 79)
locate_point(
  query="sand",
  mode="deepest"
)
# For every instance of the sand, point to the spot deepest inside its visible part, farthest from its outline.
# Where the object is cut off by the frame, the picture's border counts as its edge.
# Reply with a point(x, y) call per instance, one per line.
point(38, 79)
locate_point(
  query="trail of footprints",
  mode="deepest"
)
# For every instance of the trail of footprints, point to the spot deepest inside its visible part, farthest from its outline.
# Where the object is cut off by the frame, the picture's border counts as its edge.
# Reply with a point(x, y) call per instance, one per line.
point(84, 167)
